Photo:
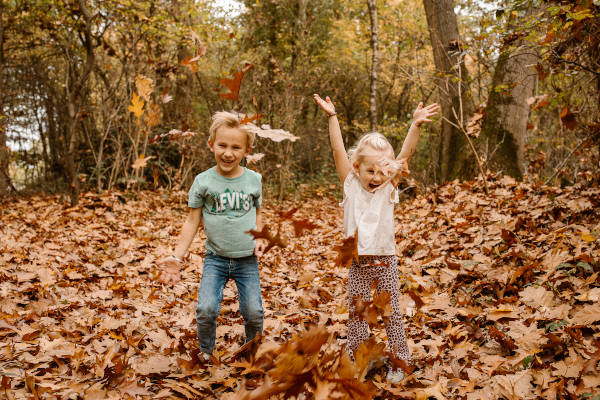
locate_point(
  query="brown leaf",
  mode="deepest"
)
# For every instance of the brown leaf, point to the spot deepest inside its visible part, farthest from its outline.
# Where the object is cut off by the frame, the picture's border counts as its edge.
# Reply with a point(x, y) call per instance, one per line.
point(347, 251)
point(246, 119)
point(144, 86)
point(568, 118)
point(300, 225)
point(505, 341)
point(140, 162)
point(272, 240)
point(234, 84)
point(137, 106)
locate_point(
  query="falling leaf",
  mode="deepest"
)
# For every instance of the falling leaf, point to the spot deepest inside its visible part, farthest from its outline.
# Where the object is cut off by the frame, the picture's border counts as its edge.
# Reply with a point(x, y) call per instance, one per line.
point(152, 116)
point(252, 158)
point(287, 214)
point(137, 106)
point(568, 118)
point(141, 161)
point(391, 167)
point(174, 134)
point(255, 117)
point(234, 84)
point(300, 225)
point(144, 86)
point(367, 351)
point(276, 135)
point(537, 102)
point(542, 73)
point(191, 63)
point(347, 251)
point(272, 240)
point(165, 97)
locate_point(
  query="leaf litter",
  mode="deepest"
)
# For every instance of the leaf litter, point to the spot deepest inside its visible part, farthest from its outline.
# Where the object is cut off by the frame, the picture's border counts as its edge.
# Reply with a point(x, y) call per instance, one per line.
point(500, 294)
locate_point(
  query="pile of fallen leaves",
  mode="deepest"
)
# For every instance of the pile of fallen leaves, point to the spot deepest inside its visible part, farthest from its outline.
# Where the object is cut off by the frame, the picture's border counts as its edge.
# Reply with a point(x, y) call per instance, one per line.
point(500, 293)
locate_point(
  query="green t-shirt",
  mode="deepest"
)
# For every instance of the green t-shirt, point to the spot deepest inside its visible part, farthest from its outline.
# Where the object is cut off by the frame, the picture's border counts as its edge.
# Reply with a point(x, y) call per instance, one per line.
point(228, 209)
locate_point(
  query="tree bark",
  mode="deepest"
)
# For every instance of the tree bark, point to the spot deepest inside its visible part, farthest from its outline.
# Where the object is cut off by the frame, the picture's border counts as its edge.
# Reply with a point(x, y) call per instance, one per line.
point(452, 83)
point(372, 5)
point(504, 126)
point(75, 96)
point(4, 152)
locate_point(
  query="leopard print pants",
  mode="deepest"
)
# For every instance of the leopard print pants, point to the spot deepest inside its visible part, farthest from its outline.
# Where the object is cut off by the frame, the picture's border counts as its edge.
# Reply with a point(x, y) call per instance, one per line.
point(383, 269)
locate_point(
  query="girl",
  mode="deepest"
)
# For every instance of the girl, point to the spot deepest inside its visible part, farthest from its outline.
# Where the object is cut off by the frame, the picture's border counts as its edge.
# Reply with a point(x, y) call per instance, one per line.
point(370, 177)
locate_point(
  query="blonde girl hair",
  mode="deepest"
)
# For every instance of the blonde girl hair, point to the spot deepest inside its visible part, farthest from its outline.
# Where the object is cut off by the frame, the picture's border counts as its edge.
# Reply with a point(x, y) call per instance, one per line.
point(373, 140)
point(230, 120)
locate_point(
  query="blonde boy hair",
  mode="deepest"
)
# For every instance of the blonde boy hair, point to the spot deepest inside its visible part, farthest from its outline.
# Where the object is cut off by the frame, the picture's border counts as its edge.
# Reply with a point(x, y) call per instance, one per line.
point(372, 140)
point(230, 120)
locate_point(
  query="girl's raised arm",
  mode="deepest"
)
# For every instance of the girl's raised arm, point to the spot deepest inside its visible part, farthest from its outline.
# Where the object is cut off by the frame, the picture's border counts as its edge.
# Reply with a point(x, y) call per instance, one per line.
point(342, 164)
point(420, 116)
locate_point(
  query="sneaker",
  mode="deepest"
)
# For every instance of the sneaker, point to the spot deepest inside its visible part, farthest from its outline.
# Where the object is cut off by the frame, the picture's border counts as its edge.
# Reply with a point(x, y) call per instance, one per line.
point(395, 375)
point(204, 357)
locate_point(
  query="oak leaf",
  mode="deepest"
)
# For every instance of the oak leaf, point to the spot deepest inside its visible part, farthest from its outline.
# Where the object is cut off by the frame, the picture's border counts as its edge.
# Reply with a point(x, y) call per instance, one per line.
point(234, 84)
point(347, 251)
point(144, 86)
point(300, 225)
point(136, 106)
point(253, 158)
point(272, 240)
point(248, 119)
point(191, 63)
point(152, 116)
point(568, 118)
point(141, 161)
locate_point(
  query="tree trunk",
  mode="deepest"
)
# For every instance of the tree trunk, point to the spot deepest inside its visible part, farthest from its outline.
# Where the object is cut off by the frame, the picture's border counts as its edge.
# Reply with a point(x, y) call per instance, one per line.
point(456, 160)
point(372, 4)
point(4, 152)
point(75, 98)
point(505, 123)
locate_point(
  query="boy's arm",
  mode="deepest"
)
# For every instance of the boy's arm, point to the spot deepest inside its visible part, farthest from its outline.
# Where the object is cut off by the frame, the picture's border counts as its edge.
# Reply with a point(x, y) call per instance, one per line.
point(342, 164)
point(259, 244)
point(172, 265)
point(188, 232)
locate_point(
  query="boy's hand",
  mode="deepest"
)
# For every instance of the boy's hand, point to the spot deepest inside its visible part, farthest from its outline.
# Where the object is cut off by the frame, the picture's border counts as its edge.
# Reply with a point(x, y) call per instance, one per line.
point(326, 105)
point(171, 272)
point(259, 247)
point(423, 114)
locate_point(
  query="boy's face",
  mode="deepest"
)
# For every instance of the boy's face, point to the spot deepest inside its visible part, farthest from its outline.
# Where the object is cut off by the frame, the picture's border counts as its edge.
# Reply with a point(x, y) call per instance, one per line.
point(230, 146)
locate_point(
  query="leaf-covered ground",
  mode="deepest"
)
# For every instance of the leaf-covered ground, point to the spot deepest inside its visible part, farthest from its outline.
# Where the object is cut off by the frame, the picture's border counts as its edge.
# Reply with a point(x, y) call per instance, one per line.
point(501, 296)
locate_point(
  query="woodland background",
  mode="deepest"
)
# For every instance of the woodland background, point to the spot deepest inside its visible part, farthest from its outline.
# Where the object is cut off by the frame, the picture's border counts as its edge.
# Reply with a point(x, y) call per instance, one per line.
point(104, 112)
point(88, 88)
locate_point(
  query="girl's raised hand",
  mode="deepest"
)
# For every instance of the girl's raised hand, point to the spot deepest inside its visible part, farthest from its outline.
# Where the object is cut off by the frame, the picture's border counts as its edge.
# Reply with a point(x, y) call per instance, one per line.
point(423, 114)
point(326, 105)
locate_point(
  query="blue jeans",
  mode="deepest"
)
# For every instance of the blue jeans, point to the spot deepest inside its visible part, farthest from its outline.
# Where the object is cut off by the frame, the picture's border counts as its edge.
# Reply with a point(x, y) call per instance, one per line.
point(217, 271)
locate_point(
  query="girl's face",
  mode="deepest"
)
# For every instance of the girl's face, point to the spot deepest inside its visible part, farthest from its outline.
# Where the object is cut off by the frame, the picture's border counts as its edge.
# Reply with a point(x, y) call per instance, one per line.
point(369, 170)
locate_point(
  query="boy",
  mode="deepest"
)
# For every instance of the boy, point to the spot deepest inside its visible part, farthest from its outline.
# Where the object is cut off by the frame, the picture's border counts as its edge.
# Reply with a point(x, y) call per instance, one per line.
point(228, 197)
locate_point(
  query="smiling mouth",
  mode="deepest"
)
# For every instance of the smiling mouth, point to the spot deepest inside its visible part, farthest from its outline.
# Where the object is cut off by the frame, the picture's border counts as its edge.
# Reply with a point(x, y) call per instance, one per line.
point(374, 186)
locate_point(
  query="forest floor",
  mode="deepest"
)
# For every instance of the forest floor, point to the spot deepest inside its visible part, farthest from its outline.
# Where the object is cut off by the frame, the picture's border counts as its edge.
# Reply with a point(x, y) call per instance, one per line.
point(500, 294)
